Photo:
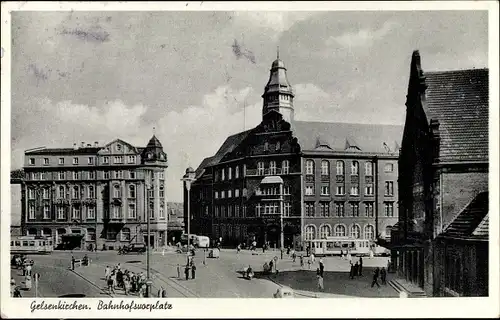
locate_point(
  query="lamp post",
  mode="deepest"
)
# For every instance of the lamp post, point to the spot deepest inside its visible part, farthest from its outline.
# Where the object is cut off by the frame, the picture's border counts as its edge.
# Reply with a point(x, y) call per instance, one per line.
point(147, 186)
point(188, 178)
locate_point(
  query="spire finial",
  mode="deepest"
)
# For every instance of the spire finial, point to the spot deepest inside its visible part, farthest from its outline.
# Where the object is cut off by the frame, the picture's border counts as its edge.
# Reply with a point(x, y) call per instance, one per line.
point(278, 52)
point(154, 131)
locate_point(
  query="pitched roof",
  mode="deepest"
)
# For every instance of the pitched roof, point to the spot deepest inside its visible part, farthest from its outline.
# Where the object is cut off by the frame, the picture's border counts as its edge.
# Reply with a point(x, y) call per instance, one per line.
point(64, 151)
point(459, 101)
point(469, 224)
point(367, 137)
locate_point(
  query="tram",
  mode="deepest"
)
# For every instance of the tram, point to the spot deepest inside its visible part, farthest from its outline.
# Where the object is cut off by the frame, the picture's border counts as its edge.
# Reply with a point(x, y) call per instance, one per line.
point(31, 245)
point(338, 245)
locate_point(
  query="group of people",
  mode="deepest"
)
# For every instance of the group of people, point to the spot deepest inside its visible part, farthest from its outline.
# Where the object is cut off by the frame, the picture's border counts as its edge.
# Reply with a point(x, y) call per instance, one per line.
point(383, 276)
point(190, 268)
point(356, 268)
point(21, 262)
point(126, 280)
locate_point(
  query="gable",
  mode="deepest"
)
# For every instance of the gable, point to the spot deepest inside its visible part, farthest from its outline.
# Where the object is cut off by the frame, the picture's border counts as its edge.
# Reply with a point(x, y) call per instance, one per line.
point(118, 147)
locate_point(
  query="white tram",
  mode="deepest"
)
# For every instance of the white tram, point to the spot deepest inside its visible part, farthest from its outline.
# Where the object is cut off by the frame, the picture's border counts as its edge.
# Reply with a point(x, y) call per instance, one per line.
point(31, 245)
point(338, 245)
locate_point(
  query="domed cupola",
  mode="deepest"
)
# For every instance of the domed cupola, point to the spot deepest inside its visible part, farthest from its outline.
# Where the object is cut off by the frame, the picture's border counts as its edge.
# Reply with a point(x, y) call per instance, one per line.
point(278, 93)
point(153, 152)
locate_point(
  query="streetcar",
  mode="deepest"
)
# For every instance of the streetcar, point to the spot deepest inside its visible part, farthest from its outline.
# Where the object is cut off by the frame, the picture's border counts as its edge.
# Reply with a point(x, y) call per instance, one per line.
point(31, 245)
point(339, 245)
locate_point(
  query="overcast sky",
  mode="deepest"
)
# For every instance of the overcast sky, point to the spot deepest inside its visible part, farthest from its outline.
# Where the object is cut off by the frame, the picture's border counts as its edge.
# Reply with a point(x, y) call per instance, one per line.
point(94, 76)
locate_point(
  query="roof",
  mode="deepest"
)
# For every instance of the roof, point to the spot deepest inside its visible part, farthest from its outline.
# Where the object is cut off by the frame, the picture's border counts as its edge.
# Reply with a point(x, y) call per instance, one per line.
point(459, 101)
point(271, 180)
point(64, 151)
point(367, 137)
point(154, 143)
point(470, 223)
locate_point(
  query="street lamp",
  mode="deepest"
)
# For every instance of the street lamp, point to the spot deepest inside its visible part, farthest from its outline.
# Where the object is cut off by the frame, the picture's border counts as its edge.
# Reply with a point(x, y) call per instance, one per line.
point(188, 178)
point(147, 186)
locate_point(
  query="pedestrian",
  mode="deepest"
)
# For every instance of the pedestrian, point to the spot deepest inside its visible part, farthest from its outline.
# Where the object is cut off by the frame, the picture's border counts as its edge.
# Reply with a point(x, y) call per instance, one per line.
point(193, 271)
point(72, 263)
point(309, 263)
point(126, 285)
point(313, 258)
point(356, 269)
point(271, 264)
point(238, 248)
point(321, 267)
point(28, 270)
point(186, 272)
point(264, 248)
point(107, 272)
point(349, 257)
point(301, 260)
point(351, 271)
point(17, 293)
point(164, 293)
point(288, 250)
point(341, 254)
point(160, 291)
point(320, 280)
point(28, 283)
point(383, 276)
point(375, 277)
point(360, 266)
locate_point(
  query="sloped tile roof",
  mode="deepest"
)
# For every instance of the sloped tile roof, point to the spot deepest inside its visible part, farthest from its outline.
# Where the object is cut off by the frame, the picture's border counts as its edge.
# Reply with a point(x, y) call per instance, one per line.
point(468, 221)
point(64, 151)
point(482, 229)
point(459, 101)
point(367, 137)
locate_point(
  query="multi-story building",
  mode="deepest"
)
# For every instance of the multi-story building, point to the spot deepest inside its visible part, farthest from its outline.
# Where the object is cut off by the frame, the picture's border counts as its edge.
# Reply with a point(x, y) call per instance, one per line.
point(321, 179)
point(440, 243)
point(95, 195)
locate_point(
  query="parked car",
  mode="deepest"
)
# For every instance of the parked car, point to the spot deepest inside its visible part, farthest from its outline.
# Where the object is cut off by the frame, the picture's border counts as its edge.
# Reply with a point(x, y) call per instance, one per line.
point(284, 293)
point(133, 248)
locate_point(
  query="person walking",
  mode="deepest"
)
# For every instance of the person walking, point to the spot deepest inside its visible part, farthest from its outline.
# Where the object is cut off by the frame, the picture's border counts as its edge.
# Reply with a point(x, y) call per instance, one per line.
point(375, 277)
point(28, 270)
point(271, 264)
point(341, 254)
point(238, 248)
point(360, 266)
point(309, 263)
point(72, 263)
point(320, 280)
point(107, 272)
point(313, 258)
point(17, 293)
point(160, 291)
point(28, 283)
point(110, 282)
point(383, 276)
point(321, 267)
point(356, 269)
point(351, 271)
point(126, 285)
point(186, 272)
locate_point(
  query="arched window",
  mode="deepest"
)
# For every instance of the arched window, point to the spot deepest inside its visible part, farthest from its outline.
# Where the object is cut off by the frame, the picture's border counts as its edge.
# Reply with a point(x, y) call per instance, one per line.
point(285, 167)
point(340, 230)
point(368, 169)
point(340, 168)
point(325, 230)
point(354, 168)
point(309, 167)
point(62, 192)
point(131, 191)
point(310, 232)
point(272, 167)
point(260, 168)
point(125, 234)
point(325, 168)
point(91, 192)
point(117, 191)
point(355, 231)
point(76, 192)
point(369, 232)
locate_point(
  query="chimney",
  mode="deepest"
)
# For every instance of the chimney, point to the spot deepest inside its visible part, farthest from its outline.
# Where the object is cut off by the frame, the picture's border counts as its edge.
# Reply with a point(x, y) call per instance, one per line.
point(75, 146)
point(96, 143)
point(83, 144)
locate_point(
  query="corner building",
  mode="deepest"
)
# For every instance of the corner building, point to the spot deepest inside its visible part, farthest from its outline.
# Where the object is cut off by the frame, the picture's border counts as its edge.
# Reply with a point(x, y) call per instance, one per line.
point(92, 195)
point(325, 179)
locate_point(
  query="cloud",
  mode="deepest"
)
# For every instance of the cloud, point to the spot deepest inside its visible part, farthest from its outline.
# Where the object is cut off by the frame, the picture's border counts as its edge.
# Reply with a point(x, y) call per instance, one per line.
point(278, 21)
point(363, 37)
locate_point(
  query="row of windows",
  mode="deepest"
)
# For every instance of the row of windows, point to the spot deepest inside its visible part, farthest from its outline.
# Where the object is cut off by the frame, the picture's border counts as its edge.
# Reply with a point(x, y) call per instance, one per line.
point(78, 192)
point(227, 173)
point(90, 160)
point(340, 230)
point(79, 175)
point(340, 210)
point(340, 189)
point(124, 234)
point(325, 167)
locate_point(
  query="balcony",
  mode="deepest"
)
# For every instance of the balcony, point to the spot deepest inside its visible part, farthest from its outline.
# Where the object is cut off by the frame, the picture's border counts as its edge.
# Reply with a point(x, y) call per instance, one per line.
point(61, 202)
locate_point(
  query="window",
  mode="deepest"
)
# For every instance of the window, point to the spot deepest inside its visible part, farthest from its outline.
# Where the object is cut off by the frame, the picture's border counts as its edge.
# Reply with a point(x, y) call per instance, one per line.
point(368, 169)
point(61, 161)
point(355, 231)
point(45, 161)
point(272, 167)
point(229, 173)
point(340, 168)
point(76, 192)
point(60, 213)
point(216, 194)
point(61, 175)
point(105, 160)
point(309, 167)
point(310, 232)
point(237, 172)
point(76, 175)
point(287, 208)
point(46, 193)
point(325, 168)
point(340, 190)
point(106, 175)
point(354, 209)
point(389, 188)
point(354, 190)
point(91, 175)
point(32, 161)
point(369, 209)
point(354, 168)
point(61, 192)
point(340, 230)
point(90, 234)
point(90, 160)
point(111, 235)
point(131, 191)
point(118, 147)
point(90, 213)
point(125, 234)
point(325, 209)
point(229, 194)
point(325, 190)
point(309, 209)
point(286, 190)
point(237, 193)
point(339, 209)
point(369, 232)
point(388, 230)
point(131, 211)
point(46, 212)
point(260, 168)
point(75, 160)
point(76, 213)
point(119, 174)
point(325, 231)
point(132, 174)
point(162, 212)
point(151, 193)
point(285, 166)
point(117, 191)
point(216, 176)
point(369, 189)
point(31, 194)
point(91, 192)
point(131, 159)
point(222, 194)
point(389, 209)
point(31, 211)
point(162, 192)
point(223, 174)
point(116, 212)
point(389, 167)
point(309, 190)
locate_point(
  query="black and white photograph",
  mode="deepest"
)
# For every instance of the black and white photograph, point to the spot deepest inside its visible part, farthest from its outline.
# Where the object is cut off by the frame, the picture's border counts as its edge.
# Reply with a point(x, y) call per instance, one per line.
point(206, 150)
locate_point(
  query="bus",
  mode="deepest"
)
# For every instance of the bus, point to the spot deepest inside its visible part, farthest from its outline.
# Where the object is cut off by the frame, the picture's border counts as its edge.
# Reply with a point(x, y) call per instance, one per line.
point(338, 245)
point(31, 245)
point(202, 242)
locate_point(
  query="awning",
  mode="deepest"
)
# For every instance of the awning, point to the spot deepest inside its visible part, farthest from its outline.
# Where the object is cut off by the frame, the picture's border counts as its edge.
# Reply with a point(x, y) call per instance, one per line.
point(272, 180)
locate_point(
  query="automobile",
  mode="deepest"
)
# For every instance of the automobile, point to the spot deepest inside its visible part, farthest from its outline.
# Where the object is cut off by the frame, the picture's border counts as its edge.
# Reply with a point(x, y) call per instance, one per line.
point(133, 248)
point(214, 253)
point(284, 293)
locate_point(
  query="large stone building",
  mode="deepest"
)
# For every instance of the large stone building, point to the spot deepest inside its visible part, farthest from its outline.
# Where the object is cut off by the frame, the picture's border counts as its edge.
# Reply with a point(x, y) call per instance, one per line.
point(95, 195)
point(323, 179)
point(440, 243)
